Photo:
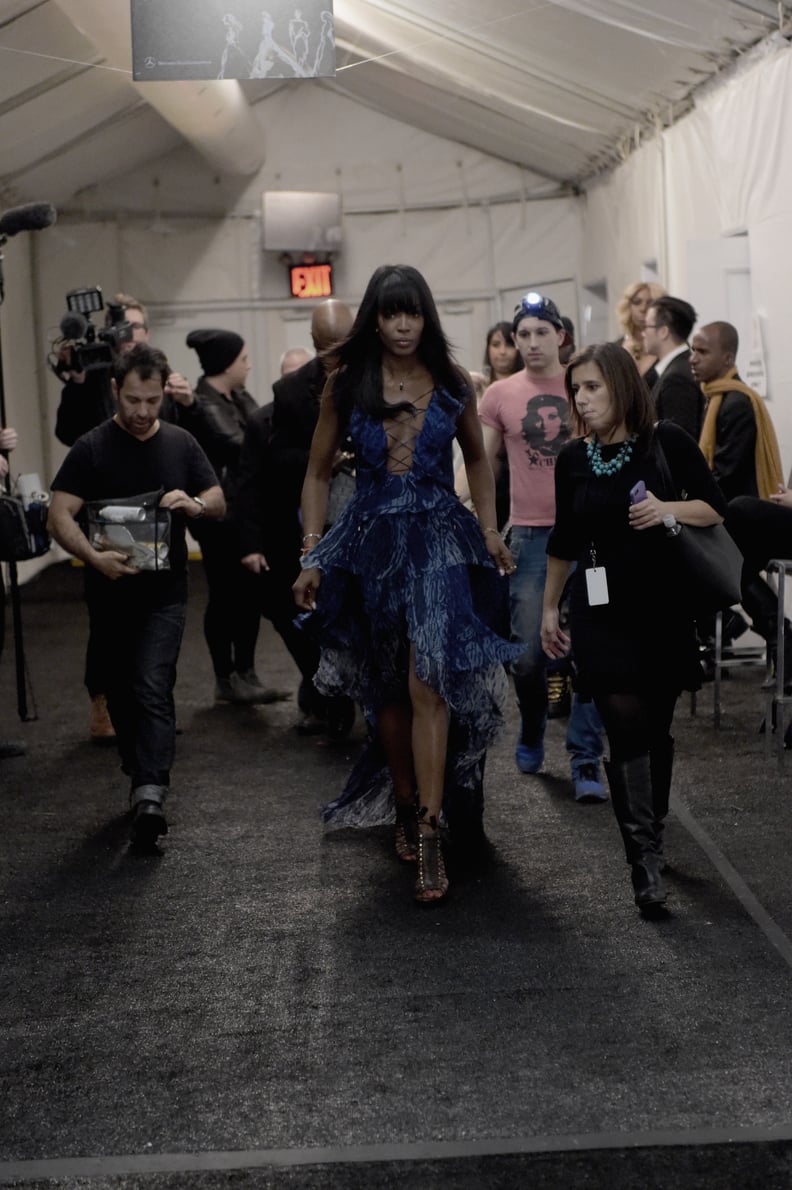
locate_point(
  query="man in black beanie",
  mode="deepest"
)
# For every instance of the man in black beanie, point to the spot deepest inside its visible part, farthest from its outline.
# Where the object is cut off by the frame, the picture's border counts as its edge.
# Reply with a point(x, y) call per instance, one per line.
point(217, 414)
point(215, 349)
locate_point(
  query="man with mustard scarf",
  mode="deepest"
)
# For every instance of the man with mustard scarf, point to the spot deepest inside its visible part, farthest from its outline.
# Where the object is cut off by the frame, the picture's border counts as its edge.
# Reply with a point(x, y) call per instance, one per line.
point(740, 445)
point(737, 438)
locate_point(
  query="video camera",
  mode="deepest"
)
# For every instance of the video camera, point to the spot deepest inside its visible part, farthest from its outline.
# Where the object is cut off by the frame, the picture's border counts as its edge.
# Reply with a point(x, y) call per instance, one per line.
point(81, 347)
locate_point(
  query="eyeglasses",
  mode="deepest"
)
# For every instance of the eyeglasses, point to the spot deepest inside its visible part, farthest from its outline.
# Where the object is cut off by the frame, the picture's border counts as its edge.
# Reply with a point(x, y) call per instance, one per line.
point(540, 307)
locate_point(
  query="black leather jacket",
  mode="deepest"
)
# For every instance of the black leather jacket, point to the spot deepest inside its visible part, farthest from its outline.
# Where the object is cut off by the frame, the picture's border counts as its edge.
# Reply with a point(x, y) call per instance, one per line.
point(218, 423)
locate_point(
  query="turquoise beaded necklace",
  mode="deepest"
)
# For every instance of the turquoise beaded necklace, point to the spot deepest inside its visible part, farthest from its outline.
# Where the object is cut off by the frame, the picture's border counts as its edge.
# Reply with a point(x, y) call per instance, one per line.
point(598, 464)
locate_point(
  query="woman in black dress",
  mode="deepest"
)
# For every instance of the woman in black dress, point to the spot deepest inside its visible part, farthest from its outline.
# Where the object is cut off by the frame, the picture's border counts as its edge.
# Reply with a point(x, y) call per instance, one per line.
point(633, 629)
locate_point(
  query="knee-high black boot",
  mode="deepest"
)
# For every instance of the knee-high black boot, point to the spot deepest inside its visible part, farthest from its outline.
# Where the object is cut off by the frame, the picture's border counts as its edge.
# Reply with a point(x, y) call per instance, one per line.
point(661, 765)
point(631, 794)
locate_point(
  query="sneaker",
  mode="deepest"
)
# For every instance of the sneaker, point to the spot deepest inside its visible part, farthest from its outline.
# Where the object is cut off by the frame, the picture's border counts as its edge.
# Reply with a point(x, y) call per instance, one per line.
point(559, 696)
point(224, 691)
point(242, 690)
point(529, 760)
point(588, 783)
point(250, 689)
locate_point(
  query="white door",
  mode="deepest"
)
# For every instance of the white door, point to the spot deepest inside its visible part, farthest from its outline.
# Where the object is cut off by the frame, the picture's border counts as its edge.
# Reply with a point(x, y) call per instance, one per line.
point(287, 327)
point(595, 314)
point(466, 324)
point(719, 288)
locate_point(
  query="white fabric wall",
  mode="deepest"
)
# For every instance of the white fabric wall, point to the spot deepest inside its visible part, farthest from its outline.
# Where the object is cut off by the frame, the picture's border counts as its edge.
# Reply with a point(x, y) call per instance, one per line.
point(729, 168)
point(623, 223)
point(317, 139)
point(726, 168)
point(190, 244)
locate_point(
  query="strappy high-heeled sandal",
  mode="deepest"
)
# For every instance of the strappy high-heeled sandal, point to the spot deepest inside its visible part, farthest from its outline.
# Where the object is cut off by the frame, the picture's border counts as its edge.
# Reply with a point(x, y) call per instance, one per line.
point(431, 887)
point(407, 832)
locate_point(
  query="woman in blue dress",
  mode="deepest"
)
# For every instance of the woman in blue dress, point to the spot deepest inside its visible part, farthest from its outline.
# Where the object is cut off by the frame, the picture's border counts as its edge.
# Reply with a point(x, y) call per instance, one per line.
point(407, 584)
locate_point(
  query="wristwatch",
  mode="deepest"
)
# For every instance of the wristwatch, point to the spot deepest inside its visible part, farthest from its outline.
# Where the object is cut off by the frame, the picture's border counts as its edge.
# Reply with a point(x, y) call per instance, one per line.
point(201, 504)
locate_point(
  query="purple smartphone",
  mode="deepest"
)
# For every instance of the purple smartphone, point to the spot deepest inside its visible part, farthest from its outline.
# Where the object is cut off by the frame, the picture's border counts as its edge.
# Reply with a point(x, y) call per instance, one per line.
point(638, 493)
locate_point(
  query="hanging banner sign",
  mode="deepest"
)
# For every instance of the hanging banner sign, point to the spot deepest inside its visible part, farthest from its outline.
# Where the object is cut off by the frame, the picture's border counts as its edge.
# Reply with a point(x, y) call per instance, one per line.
point(232, 39)
point(755, 372)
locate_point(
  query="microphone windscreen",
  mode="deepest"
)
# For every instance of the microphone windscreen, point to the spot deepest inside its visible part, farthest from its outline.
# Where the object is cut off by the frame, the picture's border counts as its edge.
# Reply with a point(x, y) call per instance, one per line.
point(73, 325)
point(32, 217)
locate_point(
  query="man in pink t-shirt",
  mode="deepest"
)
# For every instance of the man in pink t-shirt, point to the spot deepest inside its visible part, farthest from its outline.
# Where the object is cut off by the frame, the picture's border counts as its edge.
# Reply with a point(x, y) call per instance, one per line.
point(528, 413)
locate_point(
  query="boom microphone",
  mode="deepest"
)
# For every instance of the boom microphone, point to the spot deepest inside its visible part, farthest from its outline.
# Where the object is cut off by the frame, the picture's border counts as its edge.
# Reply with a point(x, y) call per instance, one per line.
point(73, 325)
point(32, 217)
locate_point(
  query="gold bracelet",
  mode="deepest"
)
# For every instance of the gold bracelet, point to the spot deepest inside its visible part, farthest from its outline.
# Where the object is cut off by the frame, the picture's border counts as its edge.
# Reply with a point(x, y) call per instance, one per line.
point(491, 531)
point(307, 536)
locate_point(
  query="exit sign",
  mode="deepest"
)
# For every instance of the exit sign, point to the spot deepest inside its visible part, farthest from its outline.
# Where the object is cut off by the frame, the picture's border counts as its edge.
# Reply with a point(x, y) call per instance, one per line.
point(311, 280)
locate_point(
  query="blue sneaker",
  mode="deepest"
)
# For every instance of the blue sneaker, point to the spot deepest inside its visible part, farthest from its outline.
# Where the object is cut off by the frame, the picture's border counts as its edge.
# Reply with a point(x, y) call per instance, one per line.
point(588, 783)
point(529, 760)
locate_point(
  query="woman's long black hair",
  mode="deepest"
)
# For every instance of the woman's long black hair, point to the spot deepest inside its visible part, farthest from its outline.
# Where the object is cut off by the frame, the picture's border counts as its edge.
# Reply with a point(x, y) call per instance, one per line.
point(393, 289)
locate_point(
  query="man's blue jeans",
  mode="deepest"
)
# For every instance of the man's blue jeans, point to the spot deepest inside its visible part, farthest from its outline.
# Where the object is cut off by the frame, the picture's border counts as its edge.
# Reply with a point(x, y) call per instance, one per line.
point(144, 643)
point(528, 545)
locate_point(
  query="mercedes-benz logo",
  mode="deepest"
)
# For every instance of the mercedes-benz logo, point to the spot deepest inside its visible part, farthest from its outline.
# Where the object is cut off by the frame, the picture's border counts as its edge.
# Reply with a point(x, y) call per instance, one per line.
point(151, 63)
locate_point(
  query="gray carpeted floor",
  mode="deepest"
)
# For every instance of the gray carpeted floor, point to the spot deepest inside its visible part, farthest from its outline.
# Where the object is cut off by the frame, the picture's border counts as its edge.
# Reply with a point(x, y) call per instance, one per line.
point(257, 1005)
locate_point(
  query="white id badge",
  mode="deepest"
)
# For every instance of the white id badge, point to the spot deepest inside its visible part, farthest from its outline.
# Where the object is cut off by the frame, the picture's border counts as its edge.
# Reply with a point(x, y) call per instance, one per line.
point(597, 586)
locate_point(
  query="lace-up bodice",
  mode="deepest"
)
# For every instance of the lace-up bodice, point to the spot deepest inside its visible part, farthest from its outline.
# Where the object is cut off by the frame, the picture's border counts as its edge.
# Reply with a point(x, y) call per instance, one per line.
point(402, 432)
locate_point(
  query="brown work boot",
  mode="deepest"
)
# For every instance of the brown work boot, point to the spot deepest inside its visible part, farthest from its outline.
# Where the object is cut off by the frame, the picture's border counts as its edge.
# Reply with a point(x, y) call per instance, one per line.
point(101, 724)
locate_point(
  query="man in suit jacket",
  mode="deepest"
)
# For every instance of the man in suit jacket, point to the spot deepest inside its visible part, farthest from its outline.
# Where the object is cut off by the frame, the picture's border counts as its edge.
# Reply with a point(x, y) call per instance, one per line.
point(677, 396)
point(267, 505)
point(295, 406)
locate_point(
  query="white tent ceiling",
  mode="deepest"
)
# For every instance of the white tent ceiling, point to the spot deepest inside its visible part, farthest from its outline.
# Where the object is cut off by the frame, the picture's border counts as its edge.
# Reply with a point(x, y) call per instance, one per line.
point(557, 87)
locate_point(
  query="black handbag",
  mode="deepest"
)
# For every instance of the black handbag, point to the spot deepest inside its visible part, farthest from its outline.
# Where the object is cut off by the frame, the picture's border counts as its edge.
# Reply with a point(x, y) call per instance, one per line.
point(709, 562)
point(23, 531)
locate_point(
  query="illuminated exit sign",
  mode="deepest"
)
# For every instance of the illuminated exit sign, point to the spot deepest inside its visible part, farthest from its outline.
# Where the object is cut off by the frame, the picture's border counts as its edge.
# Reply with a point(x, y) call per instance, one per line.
point(311, 280)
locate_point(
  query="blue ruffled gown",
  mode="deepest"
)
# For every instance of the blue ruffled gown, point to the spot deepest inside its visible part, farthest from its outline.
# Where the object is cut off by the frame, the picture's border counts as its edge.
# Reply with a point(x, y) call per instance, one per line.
point(406, 562)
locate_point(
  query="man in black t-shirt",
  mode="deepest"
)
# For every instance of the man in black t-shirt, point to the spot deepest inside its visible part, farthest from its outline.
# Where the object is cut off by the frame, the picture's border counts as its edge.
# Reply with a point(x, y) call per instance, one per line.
point(138, 615)
point(87, 401)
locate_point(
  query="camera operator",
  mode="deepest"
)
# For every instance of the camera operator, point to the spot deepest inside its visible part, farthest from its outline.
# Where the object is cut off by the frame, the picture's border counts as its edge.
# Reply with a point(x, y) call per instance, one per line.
point(87, 400)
